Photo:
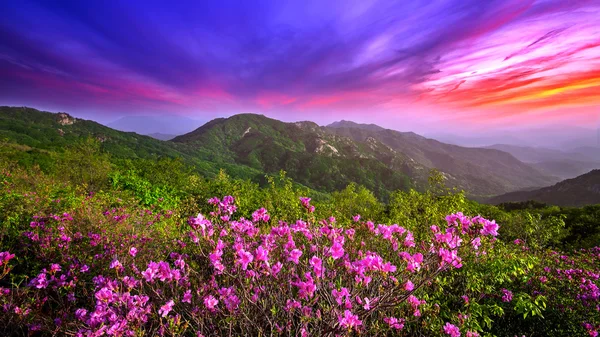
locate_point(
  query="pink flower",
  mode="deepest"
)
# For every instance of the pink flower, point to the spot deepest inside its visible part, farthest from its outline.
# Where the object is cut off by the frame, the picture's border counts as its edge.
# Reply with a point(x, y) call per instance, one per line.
point(472, 334)
point(507, 295)
point(55, 267)
point(165, 309)
point(245, 258)
point(476, 243)
point(210, 302)
point(451, 330)
point(490, 228)
point(133, 251)
point(337, 250)
point(356, 218)
point(394, 323)
point(295, 256)
point(5, 257)
point(409, 286)
point(104, 295)
point(317, 265)
point(413, 262)
point(261, 254)
point(187, 297)
point(349, 320)
point(340, 295)
point(276, 268)
point(115, 264)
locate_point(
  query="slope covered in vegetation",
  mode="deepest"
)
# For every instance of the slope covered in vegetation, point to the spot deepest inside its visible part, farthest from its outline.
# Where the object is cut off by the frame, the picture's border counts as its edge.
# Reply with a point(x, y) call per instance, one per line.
point(101, 245)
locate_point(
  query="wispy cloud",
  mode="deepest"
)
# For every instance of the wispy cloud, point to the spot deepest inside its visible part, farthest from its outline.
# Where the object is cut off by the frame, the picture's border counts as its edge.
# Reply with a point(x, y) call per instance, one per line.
point(303, 57)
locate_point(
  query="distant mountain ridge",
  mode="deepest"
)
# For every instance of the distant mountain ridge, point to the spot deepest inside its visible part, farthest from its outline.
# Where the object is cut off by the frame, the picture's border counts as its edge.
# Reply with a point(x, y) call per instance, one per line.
point(478, 170)
point(563, 164)
point(576, 192)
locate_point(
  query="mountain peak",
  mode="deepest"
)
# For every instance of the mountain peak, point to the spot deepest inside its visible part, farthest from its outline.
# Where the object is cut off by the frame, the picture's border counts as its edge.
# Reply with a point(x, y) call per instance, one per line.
point(350, 124)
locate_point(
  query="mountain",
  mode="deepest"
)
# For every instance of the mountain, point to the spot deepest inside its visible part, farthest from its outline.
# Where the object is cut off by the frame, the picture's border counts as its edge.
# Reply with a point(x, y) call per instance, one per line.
point(592, 152)
point(307, 152)
point(147, 125)
point(562, 164)
point(576, 192)
point(561, 137)
point(479, 171)
point(323, 164)
point(528, 154)
point(324, 159)
point(46, 131)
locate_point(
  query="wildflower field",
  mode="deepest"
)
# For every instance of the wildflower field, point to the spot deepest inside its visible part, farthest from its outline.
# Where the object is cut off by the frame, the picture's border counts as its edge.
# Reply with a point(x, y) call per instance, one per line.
point(144, 248)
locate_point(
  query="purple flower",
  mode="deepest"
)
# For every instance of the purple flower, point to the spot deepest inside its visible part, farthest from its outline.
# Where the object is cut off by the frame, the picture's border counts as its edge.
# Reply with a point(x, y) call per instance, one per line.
point(104, 295)
point(476, 243)
point(394, 323)
point(295, 256)
point(165, 309)
point(40, 281)
point(490, 228)
point(349, 320)
point(5, 257)
point(507, 295)
point(337, 250)
point(55, 267)
point(317, 265)
point(187, 297)
point(115, 264)
point(451, 330)
point(245, 258)
point(210, 302)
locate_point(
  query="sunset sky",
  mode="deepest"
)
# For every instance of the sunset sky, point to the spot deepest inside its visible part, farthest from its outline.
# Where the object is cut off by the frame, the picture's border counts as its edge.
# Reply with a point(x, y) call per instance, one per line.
point(469, 64)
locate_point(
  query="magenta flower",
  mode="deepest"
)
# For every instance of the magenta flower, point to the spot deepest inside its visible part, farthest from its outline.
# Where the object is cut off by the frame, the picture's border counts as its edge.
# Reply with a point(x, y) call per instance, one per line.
point(317, 265)
point(165, 309)
point(507, 295)
point(490, 228)
point(245, 258)
point(394, 323)
point(40, 281)
point(476, 243)
point(133, 251)
point(262, 254)
point(409, 286)
point(5, 257)
point(356, 218)
point(472, 334)
point(210, 302)
point(337, 250)
point(187, 297)
point(451, 330)
point(115, 264)
point(55, 267)
point(295, 256)
point(104, 295)
point(349, 320)
point(276, 268)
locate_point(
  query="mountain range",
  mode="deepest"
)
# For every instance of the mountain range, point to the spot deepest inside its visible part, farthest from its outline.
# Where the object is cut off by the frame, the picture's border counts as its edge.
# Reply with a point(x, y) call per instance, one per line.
point(562, 164)
point(576, 192)
point(323, 158)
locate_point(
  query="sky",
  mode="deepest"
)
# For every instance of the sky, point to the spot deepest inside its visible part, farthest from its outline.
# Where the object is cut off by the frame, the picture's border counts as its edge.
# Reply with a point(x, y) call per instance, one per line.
point(466, 65)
